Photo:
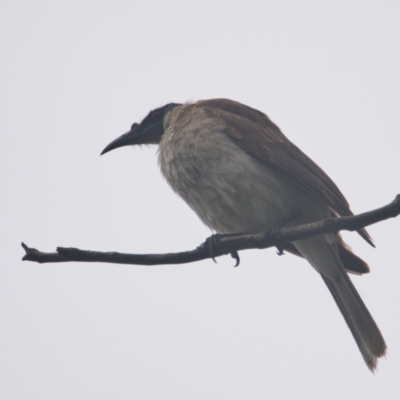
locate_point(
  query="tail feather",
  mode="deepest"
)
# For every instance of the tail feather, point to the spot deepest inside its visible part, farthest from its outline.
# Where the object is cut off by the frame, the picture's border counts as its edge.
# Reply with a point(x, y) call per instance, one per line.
point(360, 322)
point(324, 254)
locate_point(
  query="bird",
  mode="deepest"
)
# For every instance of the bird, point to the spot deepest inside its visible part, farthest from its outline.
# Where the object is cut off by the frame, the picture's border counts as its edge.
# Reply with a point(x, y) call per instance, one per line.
point(240, 174)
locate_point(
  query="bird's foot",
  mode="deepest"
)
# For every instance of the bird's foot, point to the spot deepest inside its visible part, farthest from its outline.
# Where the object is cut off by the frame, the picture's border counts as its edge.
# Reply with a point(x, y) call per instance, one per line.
point(213, 241)
point(279, 248)
point(235, 255)
point(210, 243)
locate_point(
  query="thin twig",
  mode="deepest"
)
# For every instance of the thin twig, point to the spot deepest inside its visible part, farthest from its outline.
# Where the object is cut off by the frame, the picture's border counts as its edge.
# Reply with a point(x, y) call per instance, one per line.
point(221, 244)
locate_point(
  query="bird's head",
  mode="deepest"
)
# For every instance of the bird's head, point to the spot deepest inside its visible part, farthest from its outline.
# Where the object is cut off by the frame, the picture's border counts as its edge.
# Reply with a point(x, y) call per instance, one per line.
point(149, 131)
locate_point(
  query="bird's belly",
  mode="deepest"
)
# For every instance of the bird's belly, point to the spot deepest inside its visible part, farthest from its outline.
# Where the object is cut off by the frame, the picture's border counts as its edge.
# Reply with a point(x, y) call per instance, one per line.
point(229, 190)
point(243, 204)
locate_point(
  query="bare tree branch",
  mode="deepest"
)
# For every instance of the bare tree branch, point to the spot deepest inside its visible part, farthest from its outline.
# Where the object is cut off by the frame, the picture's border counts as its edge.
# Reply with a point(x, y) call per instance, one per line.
point(219, 245)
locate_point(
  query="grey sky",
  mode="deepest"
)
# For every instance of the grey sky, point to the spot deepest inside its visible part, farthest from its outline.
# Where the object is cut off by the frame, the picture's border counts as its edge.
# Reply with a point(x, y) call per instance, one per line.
point(75, 75)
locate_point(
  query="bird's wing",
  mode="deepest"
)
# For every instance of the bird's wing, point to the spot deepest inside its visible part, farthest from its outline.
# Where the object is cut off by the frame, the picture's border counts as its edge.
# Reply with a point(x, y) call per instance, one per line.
point(258, 136)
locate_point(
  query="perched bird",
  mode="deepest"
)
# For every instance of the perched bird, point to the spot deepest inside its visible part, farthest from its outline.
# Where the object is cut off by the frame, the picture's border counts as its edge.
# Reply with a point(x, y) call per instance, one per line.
point(240, 174)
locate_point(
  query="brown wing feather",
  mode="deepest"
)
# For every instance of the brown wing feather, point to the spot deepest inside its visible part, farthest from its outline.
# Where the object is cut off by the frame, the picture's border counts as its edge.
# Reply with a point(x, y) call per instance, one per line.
point(269, 145)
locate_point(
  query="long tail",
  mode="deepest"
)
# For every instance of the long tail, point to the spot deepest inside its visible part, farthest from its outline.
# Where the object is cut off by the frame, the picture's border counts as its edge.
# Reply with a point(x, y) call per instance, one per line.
point(323, 255)
point(360, 322)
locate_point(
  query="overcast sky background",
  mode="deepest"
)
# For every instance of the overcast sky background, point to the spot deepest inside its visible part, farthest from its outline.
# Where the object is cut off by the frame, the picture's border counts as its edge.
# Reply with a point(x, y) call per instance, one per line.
point(75, 75)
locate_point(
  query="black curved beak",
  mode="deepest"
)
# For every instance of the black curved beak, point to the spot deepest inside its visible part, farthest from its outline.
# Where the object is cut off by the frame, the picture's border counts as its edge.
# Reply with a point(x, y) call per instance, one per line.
point(126, 139)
